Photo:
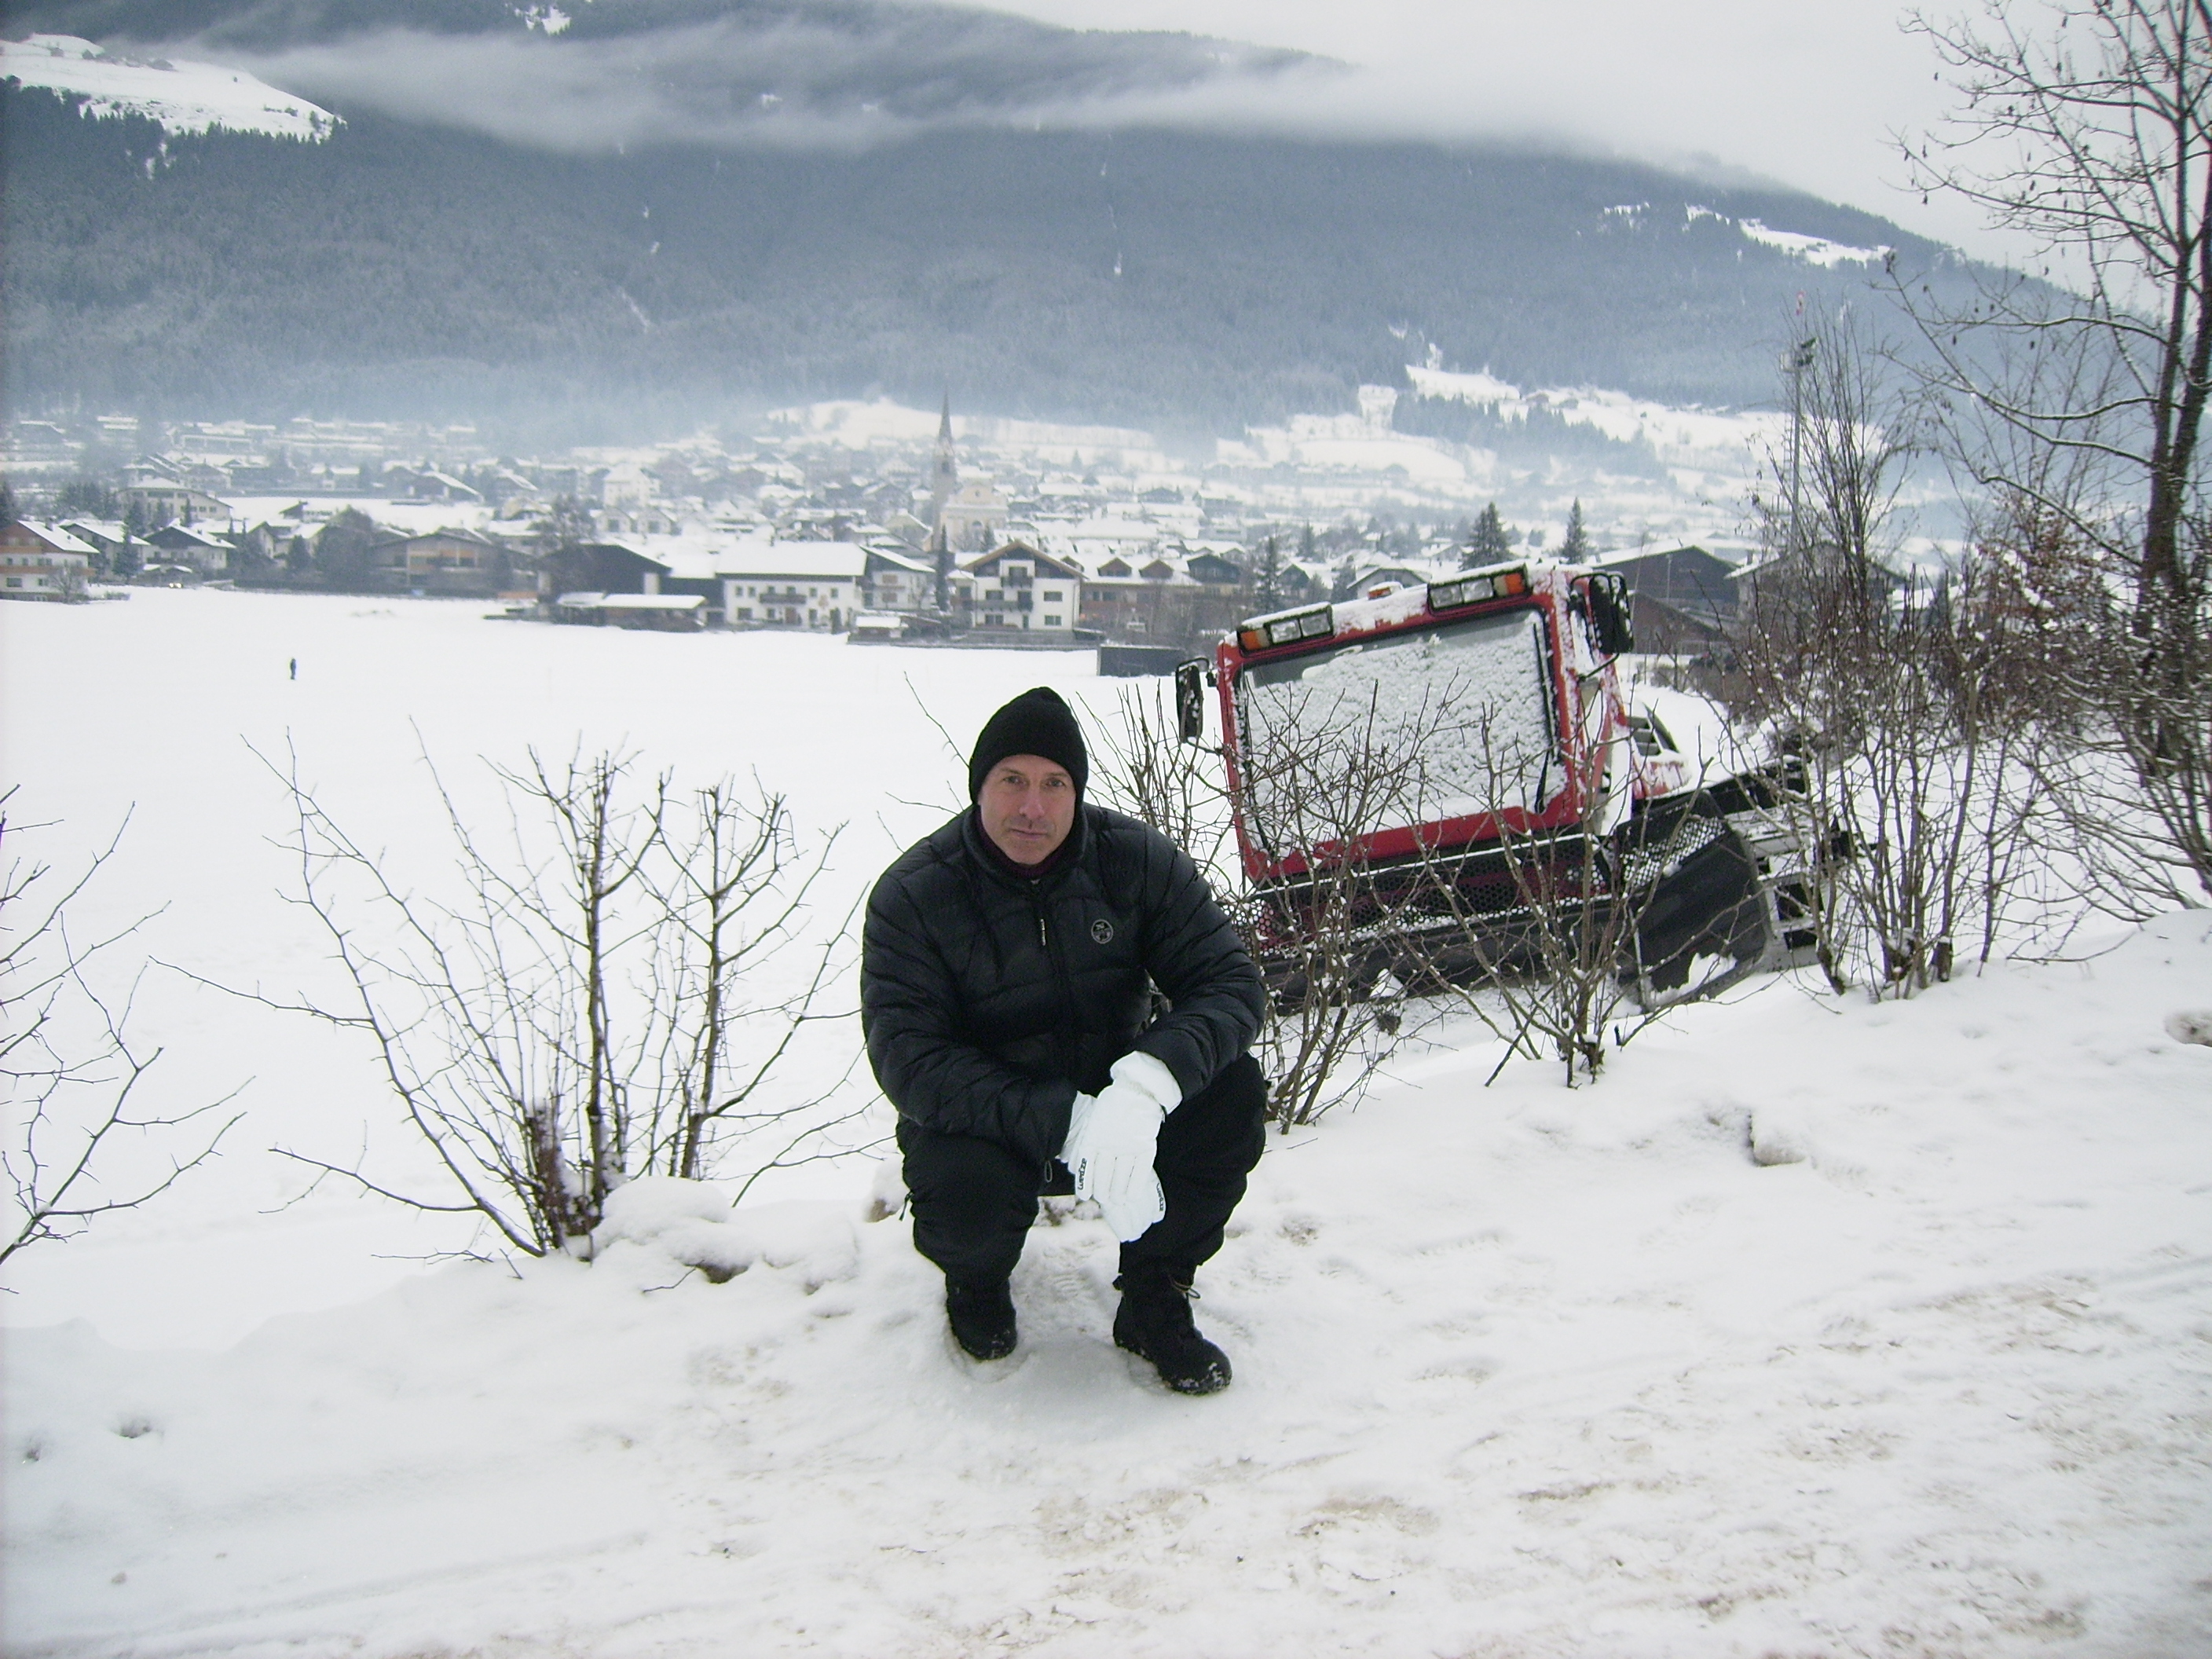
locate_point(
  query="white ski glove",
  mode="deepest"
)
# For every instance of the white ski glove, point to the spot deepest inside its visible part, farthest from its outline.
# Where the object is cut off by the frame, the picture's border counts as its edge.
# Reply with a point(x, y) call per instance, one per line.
point(1113, 1137)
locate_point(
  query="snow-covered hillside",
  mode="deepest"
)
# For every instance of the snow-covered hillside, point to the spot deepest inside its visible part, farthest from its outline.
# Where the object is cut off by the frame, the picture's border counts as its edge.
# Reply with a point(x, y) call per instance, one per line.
point(184, 97)
point(1815, 1328)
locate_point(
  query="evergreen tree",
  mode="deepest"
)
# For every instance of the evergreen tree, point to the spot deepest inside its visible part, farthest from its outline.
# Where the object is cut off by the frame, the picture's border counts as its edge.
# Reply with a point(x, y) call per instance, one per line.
point(126, 560)
point(1267, 577)
point(1576, 549)
point(7, 503)
point(561, 535)
point(1487, 545)
point(345, 548)
point(86, 498)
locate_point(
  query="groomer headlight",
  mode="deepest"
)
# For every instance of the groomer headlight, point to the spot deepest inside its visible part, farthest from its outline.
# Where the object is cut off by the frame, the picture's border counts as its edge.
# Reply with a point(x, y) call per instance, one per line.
point(1262, 632)
point(1462, 591)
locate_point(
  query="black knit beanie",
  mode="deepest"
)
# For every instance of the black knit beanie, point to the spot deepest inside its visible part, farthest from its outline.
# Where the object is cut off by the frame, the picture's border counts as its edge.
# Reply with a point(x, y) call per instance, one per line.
point(1038, 722)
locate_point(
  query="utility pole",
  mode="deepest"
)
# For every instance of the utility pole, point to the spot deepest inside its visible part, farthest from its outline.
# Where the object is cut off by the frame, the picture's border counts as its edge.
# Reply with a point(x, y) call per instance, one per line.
point(1801, 359)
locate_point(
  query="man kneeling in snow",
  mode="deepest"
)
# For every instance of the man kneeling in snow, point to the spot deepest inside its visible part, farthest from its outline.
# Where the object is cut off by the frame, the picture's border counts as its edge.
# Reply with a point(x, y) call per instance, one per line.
point(1007, 974)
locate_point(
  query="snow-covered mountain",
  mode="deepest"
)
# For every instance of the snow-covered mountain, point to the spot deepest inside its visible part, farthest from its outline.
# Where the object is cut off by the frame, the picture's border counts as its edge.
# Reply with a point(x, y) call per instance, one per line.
point(181, 95)
point(672, 209)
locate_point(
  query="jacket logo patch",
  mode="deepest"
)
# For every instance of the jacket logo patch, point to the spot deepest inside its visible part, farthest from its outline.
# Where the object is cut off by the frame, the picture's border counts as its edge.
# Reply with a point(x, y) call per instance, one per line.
point(1102, 931)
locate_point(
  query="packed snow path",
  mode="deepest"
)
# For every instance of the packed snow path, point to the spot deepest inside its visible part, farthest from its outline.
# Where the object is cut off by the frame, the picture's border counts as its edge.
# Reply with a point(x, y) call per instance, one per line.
point(1519, 1372)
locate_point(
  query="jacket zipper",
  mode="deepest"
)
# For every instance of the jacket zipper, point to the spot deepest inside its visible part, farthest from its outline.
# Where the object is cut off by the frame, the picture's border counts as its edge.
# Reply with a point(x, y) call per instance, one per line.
point(1056, 967)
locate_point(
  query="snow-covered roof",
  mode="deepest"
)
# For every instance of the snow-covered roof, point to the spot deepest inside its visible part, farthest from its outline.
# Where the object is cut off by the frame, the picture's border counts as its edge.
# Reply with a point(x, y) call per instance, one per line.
point(55, 537)
point(1630, 555)
point(795, 561)
point(904, 559)
point(174, 531)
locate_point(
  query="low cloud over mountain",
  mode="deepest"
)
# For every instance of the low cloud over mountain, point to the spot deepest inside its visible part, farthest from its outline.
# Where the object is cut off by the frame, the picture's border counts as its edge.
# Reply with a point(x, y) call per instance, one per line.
point(783, 73)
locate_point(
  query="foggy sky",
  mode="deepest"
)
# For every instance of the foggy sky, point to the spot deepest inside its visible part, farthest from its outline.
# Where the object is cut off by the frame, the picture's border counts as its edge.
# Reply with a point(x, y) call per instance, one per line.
point(1806, 93)
point(1809, 96)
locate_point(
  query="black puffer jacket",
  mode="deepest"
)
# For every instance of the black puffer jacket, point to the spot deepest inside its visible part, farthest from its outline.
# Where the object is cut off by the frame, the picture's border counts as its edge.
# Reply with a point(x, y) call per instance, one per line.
point(989, 1001)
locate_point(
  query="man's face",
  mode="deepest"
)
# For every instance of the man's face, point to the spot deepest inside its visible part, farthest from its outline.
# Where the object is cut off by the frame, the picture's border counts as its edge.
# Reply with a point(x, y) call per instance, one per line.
point(1028, 807)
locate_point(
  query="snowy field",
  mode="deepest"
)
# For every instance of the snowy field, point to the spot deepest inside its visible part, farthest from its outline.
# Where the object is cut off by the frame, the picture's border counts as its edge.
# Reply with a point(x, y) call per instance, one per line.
point(1814, 1329)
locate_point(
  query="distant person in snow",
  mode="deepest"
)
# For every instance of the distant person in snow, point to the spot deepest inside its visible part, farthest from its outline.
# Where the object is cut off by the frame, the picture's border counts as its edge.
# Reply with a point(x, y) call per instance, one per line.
point(1054, 1003)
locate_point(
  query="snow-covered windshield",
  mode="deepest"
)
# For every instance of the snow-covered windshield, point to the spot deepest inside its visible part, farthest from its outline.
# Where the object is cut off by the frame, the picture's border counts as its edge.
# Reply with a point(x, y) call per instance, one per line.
point(1383, 733)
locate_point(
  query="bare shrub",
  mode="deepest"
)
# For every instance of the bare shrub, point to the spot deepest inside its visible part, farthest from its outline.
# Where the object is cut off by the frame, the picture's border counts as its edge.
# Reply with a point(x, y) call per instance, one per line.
point(1325, 941)
point(81, 1138)
point(609, 994)
point(1552, 919)
point(1911, 702)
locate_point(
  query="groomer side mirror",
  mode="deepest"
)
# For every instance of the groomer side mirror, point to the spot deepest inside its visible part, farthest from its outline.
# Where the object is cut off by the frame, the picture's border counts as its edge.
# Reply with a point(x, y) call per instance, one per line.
point(1190, 700)
point(1610, 612)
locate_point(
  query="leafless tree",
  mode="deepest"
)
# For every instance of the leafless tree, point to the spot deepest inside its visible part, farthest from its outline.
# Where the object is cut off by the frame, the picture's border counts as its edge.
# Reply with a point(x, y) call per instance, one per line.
point(2087, 126)
point(82, 1141)
point(1911, 702)
point(610, 994)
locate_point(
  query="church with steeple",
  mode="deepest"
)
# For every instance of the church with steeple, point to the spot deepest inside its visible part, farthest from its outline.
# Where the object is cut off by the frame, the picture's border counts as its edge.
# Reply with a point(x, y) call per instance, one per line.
point(966, 518)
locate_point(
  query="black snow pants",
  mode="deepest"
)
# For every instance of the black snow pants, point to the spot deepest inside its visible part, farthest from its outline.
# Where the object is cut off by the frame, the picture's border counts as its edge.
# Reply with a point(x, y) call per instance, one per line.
point(974, 1200)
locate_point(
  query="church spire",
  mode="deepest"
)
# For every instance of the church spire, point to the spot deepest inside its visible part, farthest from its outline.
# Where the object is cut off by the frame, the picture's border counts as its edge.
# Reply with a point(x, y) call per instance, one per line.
point(948, 469)
point(946, 477)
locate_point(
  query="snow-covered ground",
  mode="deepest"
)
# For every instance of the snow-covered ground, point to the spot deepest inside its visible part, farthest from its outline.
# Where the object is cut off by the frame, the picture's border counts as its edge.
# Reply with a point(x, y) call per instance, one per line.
point(1815, 1328)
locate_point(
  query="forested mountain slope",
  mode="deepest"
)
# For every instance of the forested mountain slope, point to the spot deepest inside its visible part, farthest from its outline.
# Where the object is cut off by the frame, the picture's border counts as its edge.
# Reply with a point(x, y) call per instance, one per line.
point(1176, 277)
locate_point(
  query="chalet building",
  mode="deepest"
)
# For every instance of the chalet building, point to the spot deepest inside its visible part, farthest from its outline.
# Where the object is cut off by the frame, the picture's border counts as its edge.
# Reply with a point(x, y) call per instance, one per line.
point(106, 539)
point(816, 584)
point(428, 484)
point(204, 554)
point(1371, 579)
point(754, 584)
point(1018, 589)
point(1778, 575)
point(458, 562)
point(643, 520)
point(1095, 544)
point(614, 567)
point(1138, 599)
point(1212, 571)
point(166, 502)
point(903, 527)
point(627, 488)
point(1682, 600)
point(896, 580)
point(42, 562)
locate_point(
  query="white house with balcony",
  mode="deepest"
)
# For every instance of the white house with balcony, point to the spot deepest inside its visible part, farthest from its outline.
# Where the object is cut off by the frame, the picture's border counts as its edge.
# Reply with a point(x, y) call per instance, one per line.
point(898, 580)
point(1018, 589)
point(42, 562)
point(773, 584)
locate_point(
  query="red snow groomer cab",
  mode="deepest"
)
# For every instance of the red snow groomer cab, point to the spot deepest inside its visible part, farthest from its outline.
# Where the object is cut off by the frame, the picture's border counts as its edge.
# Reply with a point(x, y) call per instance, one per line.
point(1453, 773)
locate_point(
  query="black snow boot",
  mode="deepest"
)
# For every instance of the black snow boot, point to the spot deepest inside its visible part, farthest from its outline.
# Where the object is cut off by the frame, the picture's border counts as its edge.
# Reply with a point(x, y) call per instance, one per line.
point(982, 1317)
point(1154, 1323)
